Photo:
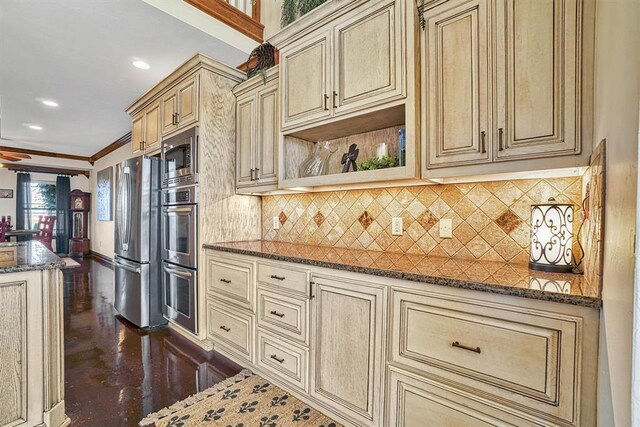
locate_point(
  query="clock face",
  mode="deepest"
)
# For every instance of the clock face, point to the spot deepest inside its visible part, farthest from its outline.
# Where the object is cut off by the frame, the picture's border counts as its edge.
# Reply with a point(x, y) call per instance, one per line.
point(77, 204)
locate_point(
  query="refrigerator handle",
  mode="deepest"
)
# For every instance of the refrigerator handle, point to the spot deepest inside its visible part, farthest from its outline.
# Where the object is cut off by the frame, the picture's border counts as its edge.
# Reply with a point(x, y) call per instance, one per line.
point(127, 266)
point(126, 208)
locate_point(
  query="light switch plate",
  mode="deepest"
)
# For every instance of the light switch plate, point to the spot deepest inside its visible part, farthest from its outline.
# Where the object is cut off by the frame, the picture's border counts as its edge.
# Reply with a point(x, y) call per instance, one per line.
point(446, 228)
point(396, 226)
point(276, 223)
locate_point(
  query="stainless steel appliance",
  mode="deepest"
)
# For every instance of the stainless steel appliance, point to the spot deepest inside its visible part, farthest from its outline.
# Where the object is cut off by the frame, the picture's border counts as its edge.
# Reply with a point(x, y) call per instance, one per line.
point(180, 159)
point(138, 285)
point(179, 226)
point(180, 255)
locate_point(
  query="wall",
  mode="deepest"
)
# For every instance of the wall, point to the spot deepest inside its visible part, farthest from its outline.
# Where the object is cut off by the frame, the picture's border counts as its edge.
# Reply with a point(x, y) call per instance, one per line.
point(270, 12)
point(490, 219)
point(101, 232)
point(616, 119)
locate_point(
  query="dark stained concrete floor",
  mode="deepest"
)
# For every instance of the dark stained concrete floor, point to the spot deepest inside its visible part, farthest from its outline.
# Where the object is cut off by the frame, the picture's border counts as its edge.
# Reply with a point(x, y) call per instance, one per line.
point(116, 373)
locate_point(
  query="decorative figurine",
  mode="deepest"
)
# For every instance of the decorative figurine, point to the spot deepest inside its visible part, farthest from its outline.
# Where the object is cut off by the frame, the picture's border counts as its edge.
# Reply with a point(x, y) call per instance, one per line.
point(349, 158)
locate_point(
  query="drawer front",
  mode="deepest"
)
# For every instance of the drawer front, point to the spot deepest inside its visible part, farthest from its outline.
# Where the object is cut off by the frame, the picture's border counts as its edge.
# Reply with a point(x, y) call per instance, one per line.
point(286, 361)
point(285, 277)
point(524, 356)
point(231, 328)
point(416, 402)
point(231, 280)
point(283, 314)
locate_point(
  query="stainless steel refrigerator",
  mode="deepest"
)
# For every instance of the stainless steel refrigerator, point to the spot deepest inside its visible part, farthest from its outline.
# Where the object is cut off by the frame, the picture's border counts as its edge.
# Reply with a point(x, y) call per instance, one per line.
point(137, 263)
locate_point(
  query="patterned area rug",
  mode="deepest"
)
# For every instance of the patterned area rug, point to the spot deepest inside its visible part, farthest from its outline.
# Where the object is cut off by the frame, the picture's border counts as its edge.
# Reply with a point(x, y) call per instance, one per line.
point(245, 400)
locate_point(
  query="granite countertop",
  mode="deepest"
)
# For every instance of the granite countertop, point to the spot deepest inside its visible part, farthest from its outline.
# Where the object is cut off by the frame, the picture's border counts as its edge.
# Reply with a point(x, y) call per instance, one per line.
point(494, 277)
point(27, 256)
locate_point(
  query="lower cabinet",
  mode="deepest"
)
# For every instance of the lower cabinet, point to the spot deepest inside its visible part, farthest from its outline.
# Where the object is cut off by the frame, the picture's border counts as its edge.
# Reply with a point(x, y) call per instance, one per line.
point(231, 328)
point(285, 360)
point(347, 347)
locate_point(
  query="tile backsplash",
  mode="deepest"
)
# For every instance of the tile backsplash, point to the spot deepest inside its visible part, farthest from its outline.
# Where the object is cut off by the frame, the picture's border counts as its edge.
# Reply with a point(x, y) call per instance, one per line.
point(490, 219)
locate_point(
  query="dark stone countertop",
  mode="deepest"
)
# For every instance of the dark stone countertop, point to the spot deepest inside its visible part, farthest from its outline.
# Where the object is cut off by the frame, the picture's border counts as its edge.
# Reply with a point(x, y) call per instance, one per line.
point(27, 256)
point(487, 276)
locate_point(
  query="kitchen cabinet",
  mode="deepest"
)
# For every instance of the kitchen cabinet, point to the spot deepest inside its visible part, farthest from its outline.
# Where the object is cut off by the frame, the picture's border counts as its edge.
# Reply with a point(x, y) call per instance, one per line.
point(347, 347)
point(506, 81)
point(180, 105)
point(145, 130)
point(257, 133)
point(457, 84)
point(354, 62)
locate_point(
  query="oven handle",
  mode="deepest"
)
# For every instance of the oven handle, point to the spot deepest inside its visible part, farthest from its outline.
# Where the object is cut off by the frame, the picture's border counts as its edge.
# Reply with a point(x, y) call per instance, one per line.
point(180, 273)
point(177, 210)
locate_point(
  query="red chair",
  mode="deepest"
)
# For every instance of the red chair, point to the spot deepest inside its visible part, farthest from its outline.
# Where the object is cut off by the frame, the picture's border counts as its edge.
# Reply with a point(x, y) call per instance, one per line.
point(4, 226)
point(45, 230)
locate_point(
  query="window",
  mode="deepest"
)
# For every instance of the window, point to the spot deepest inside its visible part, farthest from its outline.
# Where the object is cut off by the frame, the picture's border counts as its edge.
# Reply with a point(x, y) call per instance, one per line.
point(43, 200)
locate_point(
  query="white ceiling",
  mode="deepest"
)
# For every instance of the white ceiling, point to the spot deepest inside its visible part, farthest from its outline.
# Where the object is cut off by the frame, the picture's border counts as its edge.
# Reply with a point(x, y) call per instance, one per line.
point(79, 53)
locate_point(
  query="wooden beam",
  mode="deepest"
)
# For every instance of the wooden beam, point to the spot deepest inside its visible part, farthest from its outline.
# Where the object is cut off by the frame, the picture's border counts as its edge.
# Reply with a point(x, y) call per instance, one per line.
point(16, 167)
point(122, 141)
point(236, 19)
point(44, 153)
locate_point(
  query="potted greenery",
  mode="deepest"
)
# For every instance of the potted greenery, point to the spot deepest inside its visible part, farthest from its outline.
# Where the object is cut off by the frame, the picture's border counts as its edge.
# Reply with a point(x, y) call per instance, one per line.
point(293, 9)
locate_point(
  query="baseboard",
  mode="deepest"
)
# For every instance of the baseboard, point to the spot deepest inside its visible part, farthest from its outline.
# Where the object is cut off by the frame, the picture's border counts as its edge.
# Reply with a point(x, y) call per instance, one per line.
point(56, 417)
point(101, 257)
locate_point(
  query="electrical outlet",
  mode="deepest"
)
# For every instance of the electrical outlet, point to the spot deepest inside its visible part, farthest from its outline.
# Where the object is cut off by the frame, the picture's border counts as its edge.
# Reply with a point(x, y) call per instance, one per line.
point(396, 226)
point(276, 223)
point(446, 228)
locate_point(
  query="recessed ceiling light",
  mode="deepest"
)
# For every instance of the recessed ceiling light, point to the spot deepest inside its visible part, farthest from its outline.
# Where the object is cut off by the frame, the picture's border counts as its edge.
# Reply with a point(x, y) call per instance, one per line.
point(35, 127)
point(49, 103)
point(141, 64)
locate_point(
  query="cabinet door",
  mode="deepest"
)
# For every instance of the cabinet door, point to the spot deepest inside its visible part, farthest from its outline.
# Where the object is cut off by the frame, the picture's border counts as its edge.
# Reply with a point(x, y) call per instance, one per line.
point(304, 80)
point(245, 140)
point(347, 347)
point(187, 93)
point(267, 137)
point(137, 133)
point(152, 127)
point(456, 83)
point(368, 57)
point(537, 78)
point(169, 109)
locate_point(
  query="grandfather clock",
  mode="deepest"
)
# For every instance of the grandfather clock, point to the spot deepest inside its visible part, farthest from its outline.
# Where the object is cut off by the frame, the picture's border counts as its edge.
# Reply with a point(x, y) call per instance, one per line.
point(79, 244)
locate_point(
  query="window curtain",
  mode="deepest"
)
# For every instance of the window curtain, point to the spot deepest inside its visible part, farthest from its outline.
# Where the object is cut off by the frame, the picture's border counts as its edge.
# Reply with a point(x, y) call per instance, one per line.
point(23, 204)
point(63, 214)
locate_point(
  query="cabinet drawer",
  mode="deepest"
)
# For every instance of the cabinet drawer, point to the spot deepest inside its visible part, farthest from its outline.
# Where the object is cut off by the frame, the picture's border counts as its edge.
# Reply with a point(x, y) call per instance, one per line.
point(417, 402)
point(231, 280)
point(231, 328)
point(289, 278)
point(286, 361)
point(525, 356)
point(283, 314)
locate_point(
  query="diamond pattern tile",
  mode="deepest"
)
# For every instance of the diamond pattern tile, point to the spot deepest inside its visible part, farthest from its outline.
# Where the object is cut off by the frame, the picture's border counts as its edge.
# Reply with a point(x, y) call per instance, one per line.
point(490, 219)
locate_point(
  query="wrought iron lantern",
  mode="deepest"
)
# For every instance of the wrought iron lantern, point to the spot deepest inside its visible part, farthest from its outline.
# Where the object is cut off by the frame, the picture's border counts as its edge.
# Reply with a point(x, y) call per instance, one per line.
point(551, 237)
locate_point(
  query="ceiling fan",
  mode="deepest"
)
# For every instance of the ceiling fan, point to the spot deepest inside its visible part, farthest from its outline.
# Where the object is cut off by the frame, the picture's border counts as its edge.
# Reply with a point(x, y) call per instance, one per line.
point(13, 157)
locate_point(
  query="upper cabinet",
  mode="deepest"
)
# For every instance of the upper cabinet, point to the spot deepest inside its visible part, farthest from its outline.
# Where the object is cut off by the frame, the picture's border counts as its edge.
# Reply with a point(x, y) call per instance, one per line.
point(506, 80)
point(355, 62)
point(257, 133)
point(145, 130)
point(180, 106)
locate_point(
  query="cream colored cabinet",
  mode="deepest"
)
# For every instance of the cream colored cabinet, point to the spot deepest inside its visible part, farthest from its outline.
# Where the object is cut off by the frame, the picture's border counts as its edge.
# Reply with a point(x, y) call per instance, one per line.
point(305, 80)
point(538, 62)
point(367, 56)
point(180, 105)
point(145, 130)
point(457, 83)
point(354, 62)
point(347, 346)
point(257, 132)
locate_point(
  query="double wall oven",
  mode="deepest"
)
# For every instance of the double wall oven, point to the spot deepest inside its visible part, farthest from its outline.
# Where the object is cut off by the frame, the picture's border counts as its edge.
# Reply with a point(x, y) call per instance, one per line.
point(180, 229)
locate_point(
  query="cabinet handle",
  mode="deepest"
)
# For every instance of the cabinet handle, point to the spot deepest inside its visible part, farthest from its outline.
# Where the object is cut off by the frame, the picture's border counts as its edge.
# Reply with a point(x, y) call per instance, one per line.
point(464, 347)
point(311, 283)
point(273, 276)
point(256, 172)
point(335, 95)
point(500, 138)
point(177, 116)
point(274, 357)
point(224, 328)
point(142, 145)
point(225, 280)
point(326, 101)
point(275, 313)
point(483, 141)
point(251, 174)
